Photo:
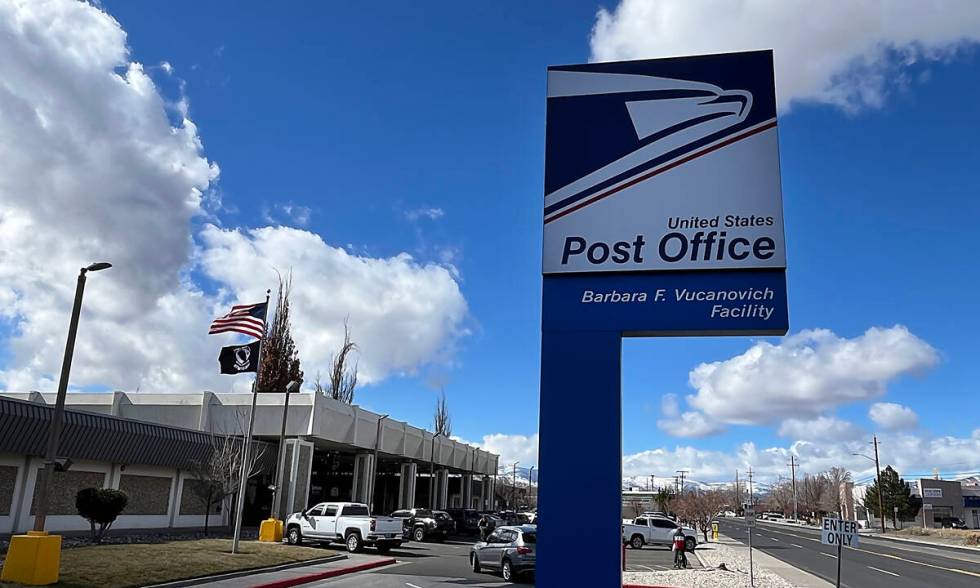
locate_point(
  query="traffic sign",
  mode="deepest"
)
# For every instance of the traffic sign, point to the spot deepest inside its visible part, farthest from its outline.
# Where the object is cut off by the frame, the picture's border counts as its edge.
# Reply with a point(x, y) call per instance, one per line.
point(839, 532)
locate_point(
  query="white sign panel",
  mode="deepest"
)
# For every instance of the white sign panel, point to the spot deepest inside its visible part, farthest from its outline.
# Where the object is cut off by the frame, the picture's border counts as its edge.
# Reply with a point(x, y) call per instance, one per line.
point(839, 532)
point(669, 164)
point(932, 492)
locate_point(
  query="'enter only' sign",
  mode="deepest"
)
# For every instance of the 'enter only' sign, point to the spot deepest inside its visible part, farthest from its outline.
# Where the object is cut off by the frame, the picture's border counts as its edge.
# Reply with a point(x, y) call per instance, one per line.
point(839, 532)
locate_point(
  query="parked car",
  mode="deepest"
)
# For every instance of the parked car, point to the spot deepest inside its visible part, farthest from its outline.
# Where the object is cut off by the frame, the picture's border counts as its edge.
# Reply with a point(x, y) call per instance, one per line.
point(656, 531)
point(509, 550)
point(350, 522)
point(427, 524)
point(466, 520)
point(657, 513)
point(952, 523)
point(510, 517)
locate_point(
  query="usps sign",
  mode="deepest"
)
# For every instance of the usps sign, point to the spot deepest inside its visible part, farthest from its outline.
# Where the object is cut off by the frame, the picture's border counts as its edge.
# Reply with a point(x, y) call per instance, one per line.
point(663, 164)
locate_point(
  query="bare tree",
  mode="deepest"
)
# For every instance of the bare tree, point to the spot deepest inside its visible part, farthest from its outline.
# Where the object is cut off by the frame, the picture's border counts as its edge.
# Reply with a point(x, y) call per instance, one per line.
point(219, 475)
point(343, 378)
point(780, 497)
point(815, 493)
point(698, 507)
point(280, 359)
point(837, 477)
point(442, 423)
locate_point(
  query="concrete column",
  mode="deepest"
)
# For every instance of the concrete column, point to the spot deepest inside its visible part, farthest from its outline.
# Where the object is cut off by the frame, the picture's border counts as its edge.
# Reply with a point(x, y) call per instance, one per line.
point(295, 483)
point(363, 474)
point(406, 484)
point(485, 493)
point(467, 490)
point(442, 489)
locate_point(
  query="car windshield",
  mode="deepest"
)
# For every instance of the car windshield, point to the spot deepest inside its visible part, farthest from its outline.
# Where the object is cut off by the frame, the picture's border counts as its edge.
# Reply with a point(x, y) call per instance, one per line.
point(530, 538)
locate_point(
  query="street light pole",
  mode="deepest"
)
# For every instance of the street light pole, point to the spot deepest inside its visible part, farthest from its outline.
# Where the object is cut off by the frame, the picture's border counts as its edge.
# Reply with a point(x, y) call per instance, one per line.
point(530, 488)
point(432, 473)
point(57, 420)
point(291, 387)
point(374, 478)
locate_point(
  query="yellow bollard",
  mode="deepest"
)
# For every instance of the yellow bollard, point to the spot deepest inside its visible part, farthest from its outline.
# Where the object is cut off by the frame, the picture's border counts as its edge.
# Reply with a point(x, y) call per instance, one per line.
point(714, 531)
point(270, 530)
point(33, 559)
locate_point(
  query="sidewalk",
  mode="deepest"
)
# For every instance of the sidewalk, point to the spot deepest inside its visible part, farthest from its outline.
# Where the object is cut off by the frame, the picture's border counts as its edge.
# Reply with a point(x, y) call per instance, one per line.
point(788, 572)
point(305, 574)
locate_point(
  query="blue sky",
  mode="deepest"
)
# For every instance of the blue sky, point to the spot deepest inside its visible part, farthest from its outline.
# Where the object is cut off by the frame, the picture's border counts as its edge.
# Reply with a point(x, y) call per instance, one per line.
point(351, 121)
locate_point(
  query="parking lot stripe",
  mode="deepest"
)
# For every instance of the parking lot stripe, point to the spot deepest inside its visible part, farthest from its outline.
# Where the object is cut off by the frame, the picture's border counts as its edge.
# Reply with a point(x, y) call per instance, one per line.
point(883, 571)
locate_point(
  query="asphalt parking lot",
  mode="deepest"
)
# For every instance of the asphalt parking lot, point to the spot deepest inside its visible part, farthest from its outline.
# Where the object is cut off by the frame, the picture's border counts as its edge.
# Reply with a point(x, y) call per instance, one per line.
point(425, 565)
point(654, 559)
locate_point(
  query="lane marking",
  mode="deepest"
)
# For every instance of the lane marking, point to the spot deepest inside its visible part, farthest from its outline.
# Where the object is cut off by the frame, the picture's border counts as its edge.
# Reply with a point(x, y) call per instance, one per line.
point(921, 563)
point(774, 539)
point(883, 571)
point(827, 554)
point(410, 585)
point(795, 545)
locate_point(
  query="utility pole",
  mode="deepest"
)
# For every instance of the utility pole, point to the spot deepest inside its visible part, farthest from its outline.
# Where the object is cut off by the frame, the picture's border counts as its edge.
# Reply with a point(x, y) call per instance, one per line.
point(682, 474)
point(652, 487)
point(881, 504)
point(792, 466)
point(513, 489)
point(752, 504)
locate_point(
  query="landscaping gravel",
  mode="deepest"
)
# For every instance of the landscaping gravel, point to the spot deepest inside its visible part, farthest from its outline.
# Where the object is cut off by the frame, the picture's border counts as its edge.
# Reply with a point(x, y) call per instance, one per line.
point(712, 555)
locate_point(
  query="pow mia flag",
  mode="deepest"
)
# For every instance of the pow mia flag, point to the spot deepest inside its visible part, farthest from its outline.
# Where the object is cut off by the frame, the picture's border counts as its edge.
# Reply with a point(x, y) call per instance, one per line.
point(238, 359)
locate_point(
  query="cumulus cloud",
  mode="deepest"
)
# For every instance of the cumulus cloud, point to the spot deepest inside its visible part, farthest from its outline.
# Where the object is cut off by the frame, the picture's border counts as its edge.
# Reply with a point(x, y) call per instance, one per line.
point(889, 415)
point(822, 427)
point(806, 374)
point(686, 424)
point(510, 448)
point(910, 454)
point(402, 313)
point(94, 167)
point(851, 56)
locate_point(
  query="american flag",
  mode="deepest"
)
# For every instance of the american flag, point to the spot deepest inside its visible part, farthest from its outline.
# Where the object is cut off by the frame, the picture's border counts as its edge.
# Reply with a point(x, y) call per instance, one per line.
point(248, 319)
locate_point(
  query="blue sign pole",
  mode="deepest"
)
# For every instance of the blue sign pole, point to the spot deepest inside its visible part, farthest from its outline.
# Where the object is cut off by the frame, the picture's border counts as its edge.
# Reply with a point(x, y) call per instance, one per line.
point(580, 481)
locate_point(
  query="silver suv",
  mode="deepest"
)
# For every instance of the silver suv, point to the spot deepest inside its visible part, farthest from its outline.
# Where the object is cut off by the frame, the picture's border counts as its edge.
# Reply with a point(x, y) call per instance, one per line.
point(509, 550)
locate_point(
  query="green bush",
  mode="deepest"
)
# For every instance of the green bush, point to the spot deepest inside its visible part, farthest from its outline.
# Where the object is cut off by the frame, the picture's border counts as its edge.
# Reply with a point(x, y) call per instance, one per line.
point(100, 507)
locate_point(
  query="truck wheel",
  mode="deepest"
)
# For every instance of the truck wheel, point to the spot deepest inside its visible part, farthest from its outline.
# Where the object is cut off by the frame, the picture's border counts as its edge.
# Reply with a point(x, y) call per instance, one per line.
point(419, 534)
point(475, 563)
point(636, 542)
point(690, 543)
point(293, 536)
point(353, 541)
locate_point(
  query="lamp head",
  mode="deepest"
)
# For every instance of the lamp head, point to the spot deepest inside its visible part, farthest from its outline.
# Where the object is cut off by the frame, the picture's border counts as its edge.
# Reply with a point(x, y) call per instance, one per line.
point(292, 386)
point(98, 266)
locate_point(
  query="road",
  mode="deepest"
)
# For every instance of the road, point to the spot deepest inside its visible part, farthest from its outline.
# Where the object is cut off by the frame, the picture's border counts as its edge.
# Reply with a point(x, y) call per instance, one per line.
point(876, 562)
point(423, 565)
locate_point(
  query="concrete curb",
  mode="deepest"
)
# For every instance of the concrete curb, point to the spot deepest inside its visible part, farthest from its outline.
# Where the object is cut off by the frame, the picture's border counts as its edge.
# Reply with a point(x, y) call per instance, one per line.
point(242, 573)
point(326, 574)
point(966, 548)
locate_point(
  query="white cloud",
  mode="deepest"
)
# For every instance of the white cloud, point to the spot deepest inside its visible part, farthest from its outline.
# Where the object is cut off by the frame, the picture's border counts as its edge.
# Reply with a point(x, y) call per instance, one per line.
point(92, 169)
point(510, 448)
point(402, 313)
point(686, 424)
point(849, 55)
point(429, 212)
point(822, 427)
point(911, 455)
point(806, 374)
point(893, 416)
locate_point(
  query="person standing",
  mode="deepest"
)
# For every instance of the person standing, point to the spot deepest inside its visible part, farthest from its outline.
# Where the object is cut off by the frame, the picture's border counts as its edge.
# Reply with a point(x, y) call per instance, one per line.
point(486, 526)
point(680, 548)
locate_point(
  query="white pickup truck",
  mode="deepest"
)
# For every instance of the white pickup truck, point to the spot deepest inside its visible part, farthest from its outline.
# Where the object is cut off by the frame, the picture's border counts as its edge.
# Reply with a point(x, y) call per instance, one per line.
point(350, 522)
point(656, 531)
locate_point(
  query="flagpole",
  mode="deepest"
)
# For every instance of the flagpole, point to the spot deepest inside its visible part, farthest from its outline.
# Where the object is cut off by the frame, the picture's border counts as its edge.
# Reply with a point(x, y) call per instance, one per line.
point(243, 476)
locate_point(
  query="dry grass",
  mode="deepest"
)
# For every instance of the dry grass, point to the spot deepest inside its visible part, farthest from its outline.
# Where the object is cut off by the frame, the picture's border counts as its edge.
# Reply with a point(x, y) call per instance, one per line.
point(121, 566)
point(947, 536)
